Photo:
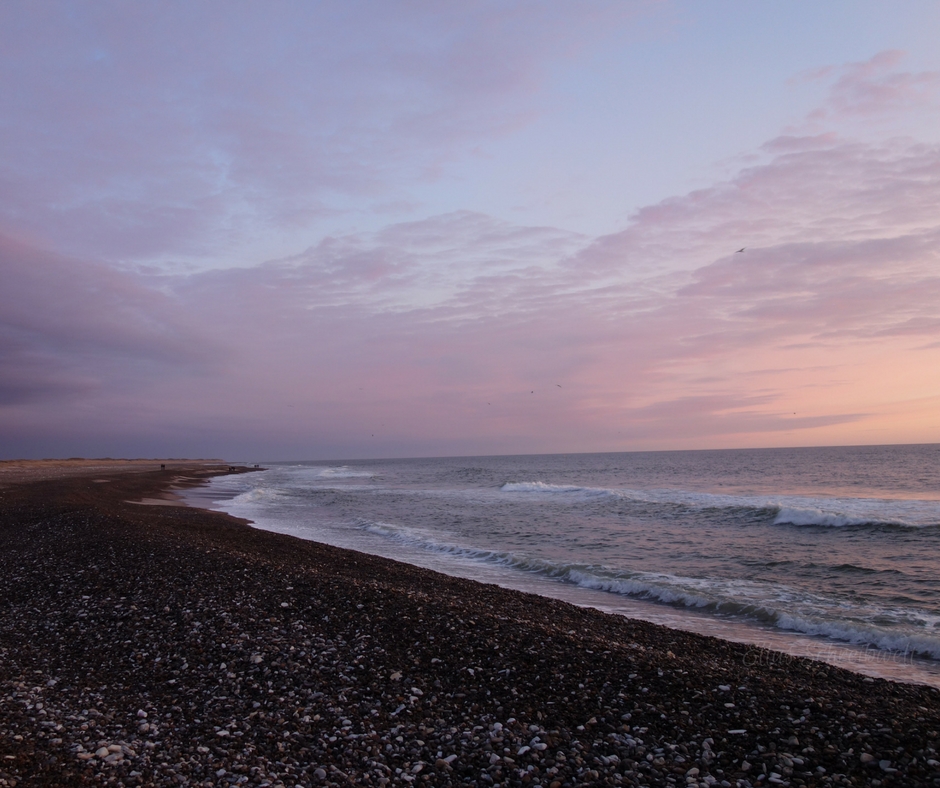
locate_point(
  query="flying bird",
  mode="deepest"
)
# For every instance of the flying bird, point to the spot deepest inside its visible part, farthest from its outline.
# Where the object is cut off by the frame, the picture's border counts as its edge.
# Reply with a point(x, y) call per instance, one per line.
point(741, 249)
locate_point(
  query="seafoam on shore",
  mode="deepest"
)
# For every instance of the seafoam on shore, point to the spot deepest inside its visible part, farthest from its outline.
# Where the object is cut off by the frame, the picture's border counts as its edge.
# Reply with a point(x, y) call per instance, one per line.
point(811, 551)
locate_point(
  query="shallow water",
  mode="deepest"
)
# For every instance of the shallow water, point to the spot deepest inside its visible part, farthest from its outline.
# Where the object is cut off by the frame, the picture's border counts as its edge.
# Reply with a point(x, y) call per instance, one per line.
point(830, 553)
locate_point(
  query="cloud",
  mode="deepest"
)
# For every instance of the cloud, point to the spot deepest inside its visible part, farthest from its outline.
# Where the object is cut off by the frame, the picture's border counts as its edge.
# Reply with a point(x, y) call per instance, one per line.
point(875, 87)
point(68, 327)
point(874, 90)
point(463, 333)
point(199, 129)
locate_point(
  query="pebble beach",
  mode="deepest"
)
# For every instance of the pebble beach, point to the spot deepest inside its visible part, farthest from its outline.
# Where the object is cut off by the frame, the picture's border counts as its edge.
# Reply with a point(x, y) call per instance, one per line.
point(164, 645)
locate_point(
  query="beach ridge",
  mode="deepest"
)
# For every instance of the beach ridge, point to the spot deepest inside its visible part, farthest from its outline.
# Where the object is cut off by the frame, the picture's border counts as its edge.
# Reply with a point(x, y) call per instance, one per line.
point(170, 645)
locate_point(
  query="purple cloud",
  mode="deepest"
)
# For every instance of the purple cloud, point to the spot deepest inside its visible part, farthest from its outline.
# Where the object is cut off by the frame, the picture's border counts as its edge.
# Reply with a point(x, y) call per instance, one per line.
point(152, 132)
point(877, 87)
point(454, 333)
point(435, 334)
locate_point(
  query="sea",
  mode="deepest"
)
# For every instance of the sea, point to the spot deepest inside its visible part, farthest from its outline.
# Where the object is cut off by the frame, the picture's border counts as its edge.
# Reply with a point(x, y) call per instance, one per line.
point(823, 553)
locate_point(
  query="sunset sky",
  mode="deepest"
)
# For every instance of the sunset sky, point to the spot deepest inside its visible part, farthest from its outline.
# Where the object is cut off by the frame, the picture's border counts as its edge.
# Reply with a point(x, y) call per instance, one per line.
point(292, 230)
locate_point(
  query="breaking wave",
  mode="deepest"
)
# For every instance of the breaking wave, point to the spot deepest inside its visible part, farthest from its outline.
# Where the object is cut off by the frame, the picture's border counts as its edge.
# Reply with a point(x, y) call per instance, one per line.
point(768, 604)
point(337, 472)
point(781, 510)
point(788, 515)
point(559, 489)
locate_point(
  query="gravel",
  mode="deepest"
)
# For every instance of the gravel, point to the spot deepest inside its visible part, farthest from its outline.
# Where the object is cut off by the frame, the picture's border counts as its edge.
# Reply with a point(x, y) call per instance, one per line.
point(171, 646)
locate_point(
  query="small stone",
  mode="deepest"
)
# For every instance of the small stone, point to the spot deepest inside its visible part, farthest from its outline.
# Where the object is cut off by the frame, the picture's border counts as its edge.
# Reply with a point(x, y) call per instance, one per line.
point(102, 752)
point(319, 773)
point(142, 714)
point(866, 757)
point(256, 658)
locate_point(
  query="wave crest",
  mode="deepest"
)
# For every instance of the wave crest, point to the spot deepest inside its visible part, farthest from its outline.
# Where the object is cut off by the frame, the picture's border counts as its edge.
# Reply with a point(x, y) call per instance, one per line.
point(782, 510)
point(791, 515)
point(763, 603)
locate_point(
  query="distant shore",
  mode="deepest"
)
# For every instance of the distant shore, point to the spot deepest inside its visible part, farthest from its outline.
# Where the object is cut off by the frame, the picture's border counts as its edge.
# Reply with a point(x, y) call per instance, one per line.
point(167, 645)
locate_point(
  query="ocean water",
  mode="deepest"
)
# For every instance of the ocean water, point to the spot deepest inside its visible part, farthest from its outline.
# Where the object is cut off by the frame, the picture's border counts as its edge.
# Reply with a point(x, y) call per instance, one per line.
point(829, 553)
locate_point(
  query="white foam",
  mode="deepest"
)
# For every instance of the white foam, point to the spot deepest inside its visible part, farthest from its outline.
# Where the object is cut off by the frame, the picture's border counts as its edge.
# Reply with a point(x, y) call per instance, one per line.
point(337, 472)
point(811, 516)
point(785, 510)
point(556, 489)
point(759, 602)
point(860, 634)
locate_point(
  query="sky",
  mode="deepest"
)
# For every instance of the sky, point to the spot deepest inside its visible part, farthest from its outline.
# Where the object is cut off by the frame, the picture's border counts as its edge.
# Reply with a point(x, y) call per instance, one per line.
point(294, 230)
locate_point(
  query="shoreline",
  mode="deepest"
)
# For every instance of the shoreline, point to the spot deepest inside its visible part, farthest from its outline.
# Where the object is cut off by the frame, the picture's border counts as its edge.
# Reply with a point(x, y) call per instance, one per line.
point(167, 645)
point(867, 659)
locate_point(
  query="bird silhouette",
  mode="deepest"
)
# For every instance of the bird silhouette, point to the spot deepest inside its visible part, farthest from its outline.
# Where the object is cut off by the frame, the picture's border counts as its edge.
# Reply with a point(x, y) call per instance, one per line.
point(741, 249)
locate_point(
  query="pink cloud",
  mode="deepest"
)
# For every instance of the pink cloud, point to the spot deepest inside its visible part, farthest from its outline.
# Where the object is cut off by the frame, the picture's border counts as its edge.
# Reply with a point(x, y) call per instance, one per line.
point(462, 333)
point(874, 88)
point(144, 132)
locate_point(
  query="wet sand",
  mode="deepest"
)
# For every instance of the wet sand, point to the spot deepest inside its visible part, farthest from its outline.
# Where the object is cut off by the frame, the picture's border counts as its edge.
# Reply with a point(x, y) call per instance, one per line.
point(165, 645)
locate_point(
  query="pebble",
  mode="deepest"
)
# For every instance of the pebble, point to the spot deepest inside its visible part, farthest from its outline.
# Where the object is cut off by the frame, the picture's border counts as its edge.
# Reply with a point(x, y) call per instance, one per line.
point(488, 682)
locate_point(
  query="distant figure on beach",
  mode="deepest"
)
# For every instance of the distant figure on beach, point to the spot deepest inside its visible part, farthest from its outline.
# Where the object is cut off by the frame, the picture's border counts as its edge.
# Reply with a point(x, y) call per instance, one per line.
point(162, 466)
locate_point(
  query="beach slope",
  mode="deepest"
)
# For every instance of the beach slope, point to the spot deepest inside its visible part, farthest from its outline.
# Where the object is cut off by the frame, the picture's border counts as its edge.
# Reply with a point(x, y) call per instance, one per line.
point(167, 645)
